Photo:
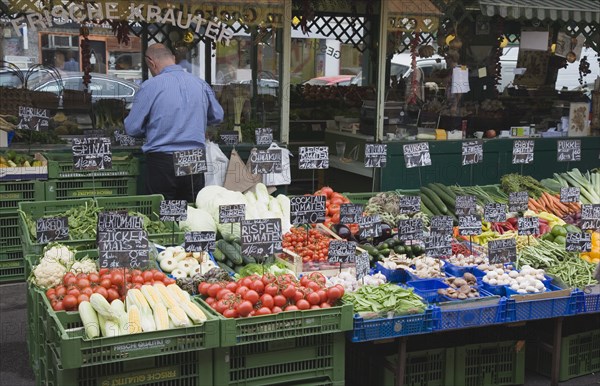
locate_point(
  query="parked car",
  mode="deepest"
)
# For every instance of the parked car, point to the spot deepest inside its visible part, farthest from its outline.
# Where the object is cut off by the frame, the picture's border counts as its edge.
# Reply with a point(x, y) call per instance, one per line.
point(101, 86)
point(337, 80)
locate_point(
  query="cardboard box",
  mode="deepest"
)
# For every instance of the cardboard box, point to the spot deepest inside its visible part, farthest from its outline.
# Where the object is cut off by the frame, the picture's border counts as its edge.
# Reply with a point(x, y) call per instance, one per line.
point(26, 173)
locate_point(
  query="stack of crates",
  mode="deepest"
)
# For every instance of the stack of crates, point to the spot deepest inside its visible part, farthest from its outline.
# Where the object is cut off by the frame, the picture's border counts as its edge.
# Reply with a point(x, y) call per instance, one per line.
point(64, 182)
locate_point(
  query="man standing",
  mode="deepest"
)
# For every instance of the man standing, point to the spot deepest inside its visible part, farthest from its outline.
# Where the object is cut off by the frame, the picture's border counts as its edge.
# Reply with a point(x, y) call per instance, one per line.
point(172, 110)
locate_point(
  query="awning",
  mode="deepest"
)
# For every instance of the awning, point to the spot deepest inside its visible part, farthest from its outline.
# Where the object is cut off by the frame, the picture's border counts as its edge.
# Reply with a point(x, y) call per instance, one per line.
point(566, 10)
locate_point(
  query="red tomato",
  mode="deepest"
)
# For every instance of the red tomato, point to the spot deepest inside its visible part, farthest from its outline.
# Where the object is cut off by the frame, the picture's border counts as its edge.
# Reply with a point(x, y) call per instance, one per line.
point(326, 190)
point(271, 289)
point(298, 296)
point(138, 279)
point(82, 283)
point(74, 292)
point(94, 278)
point(268, 278)
point(230, 313)
point(117, 278)
point(242, 290)
point(210, 300)
point(103, 271)
point(244, 308)
point(102, 291)
point(315, 307)
point(279, 300)
point(168, 281)
point(251, 296)
point(289, 291)
point(57, 306)
point(50, 293)
point(258, 286)
point(213, 290)
point(267, 301)
point(138, 286)
point(87, 291)
point(291, 307)
point(341, 288)
point(112, 295)
point(83, 298)
point(222, 305)
point(246, 282)
point(148, 276)
point(314, 286)
point(81, 275)
point(222, 292)
point(106, 283)
point(333, 294)
point(325, 305)
point(71, 280)
point(263, 311)
point(323, 295)
point(303, 304)
point(203, 288)
point(70, 302)
point(276, 310)
point(313, 298)
point(60, 291)
point(232, 286)
point(159, 276)
point(304, 281)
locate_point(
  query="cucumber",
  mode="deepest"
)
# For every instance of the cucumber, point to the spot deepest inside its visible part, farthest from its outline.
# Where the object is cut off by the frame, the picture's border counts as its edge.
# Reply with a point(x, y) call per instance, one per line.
point(443, 209)
point(427, 203)
point(219, 255)
point(446, 189)
point(229, 238)
point(229, 263)
point(449, 201)
point(248, 259)
point(238, 268)
point(225, 267)
point(425, 209)
point(230, 252)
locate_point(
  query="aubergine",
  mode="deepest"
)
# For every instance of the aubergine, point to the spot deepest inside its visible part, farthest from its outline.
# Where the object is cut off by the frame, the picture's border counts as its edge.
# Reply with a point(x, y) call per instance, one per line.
point(343, 231)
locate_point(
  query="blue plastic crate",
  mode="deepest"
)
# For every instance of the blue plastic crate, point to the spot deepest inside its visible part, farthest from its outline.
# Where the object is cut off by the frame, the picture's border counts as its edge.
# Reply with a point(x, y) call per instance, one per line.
point(385, 328)
point(427, 288)
point(393, 275)
point(499, 290)
point(591, 302)
point(472, 313)
point(457, 270)
point(539, 306)
point(482, 294)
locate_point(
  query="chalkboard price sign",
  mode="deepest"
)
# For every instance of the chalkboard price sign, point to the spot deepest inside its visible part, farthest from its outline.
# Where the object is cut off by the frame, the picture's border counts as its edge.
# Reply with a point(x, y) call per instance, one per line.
point(518, 202)
point(441, 224)
point(123, 248)
point(32, 118)
point(578, 242)
point(125, 140)
point(416, 154)
point(190, 162)
point(119, 219)
point(362, 265)
point(522, 151)
point(369, 226)
point(438, 244)
point(230, 138)
point(91, 153)
point(410, 204)
point(568, 150)
point(307, 209)
point(472, 152)
point(265, 161)
point(264, 135)
point(341, 251)
point(502, 251)
point(200, 241)
point(173, 210)
point(261, 237)
point(50, 229)
point(465, 205)
point(313, 157)
point(411, 229)
point(590, 217)
point(494, 212)
point(351, 213)
point(232, 213)
point(375, 155)
point(569, 194)
point(469, 225)
point(528, 226)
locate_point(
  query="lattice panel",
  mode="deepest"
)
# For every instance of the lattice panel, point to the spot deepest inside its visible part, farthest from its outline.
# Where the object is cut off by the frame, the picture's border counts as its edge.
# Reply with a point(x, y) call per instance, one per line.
point(591, 32)
point(399, 42)
point(346, 29)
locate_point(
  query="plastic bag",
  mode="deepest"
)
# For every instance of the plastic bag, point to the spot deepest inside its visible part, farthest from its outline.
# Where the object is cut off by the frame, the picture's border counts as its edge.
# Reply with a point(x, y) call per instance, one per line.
point(216, 162)
point(283, 178)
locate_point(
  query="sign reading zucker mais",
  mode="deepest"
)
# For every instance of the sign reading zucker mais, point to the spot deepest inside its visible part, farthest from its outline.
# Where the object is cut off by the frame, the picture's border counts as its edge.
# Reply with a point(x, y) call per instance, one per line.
point(213, 17)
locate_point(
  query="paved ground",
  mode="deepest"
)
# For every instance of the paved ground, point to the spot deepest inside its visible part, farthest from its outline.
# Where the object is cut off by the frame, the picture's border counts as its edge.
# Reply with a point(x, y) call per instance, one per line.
point(14, 362)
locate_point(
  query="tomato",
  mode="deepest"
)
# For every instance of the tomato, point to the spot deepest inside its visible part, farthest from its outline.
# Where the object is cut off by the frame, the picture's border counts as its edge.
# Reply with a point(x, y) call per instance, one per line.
point(138, 279)
point(168, 281)
point(203, 288)
point(315, 307)
point(327, 191)
point(313, 298)
point(244, 308)
point(246, 282)
point(60, 291)
point(74, 292)
point(258, 286)
point(271, 289)
point(325, 305)
point(112, 294)
point(322, 295)
point(341, 288)
point(333, 294)
point(51, 293)
point(210, 300)
point(148, 276)
point(71, 280)
point(267, 301)
point(83, 298)
point(251, 296)
point(268, 278)
point(222, 305)
point(276, 310)
point(317, 277)
point(213, 290)
point(117, 278)
point(242, 290)
point(222, 292)
point(303, 304)
point(70, 302)
point(94, 278)
point(232, 286)
point(102, 291)
point(58, 306)
point(304, 281)
point(103, 271)
point(298, 296)
point(263, 311)
point(87, 291)
point(279, 300)
point(289, 291)
point(314, 286)
point(81, 275)
point(230, 313)
point(159, 276)
point(82, 283)
point(291, 307)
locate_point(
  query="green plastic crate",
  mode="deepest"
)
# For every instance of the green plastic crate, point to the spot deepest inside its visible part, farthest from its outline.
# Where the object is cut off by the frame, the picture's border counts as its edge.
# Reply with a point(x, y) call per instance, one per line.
point(96, 187)
point(13, 192)
point(285, 325)
point(10, 237)
point(12, 271)
point(48, 208)
point(192, 368)
point(293, 361)
point(35, 337)
point(433, 367)
point(490, 364)
point(65, 334)
point(579, 355)
point(11, 254)
point(60, 165)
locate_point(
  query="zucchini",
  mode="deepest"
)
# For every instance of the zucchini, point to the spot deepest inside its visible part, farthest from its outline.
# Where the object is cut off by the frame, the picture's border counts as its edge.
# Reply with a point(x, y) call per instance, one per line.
point(446, 189)
point(229, 263)
point(443, 209)
point(425, 209)
point(448, 200)
point(219, 255)
point(225, 268)
point(230, 238)
point(248, 259)
point(427, 203)
point(230, 251)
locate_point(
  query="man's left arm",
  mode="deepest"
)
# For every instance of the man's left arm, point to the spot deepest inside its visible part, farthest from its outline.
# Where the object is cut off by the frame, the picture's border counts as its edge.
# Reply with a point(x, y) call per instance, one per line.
point(140, 110)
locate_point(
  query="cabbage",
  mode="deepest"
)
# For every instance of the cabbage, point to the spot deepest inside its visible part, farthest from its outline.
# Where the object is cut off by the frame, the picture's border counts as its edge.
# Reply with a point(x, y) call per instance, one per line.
point(207, 194)
point(199, 220)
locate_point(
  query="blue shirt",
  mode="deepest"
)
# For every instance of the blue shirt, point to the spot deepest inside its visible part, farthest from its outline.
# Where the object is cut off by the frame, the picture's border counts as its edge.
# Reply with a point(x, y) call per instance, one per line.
point(172, 110)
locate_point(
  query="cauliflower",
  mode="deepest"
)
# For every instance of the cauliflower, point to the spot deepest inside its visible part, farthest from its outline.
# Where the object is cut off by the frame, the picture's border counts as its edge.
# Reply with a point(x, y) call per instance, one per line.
point(60, 254)
point(85, 265)
point(48, 274)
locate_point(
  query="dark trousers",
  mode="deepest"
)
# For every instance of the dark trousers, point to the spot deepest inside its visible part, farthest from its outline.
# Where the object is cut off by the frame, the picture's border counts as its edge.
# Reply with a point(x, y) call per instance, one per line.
point(161, 179)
